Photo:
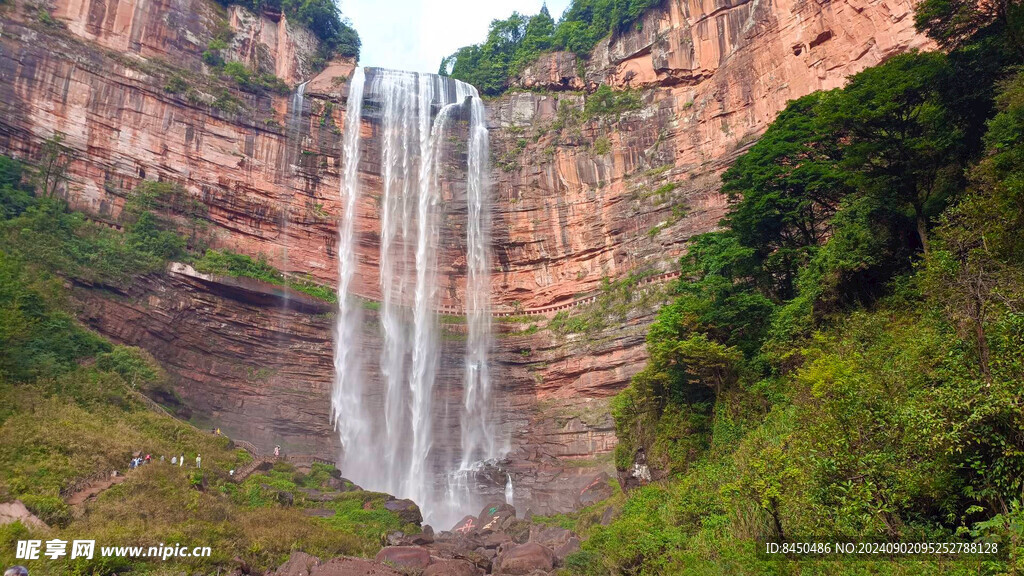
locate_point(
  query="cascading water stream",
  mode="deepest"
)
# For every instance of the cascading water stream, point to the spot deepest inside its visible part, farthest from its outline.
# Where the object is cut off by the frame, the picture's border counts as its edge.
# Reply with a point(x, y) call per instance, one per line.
point(387, 425)
point(347, 395)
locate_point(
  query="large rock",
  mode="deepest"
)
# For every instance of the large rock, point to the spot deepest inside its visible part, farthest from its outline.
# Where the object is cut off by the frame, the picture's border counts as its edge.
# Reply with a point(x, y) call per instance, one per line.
point(550, 536)
point(298, 564)
point(466, 525)
point(452, 568)
point(407, 511)
point(494, 516)
point(598, 489)
point(524, 559)
point(405, 557)
point(570, 546)
point(16, 511)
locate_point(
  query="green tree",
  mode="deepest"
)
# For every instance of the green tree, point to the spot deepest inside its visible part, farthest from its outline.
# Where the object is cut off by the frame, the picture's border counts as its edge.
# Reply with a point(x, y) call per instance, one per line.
point(784, 192)
point(953, 23)
point(52, 168)
point(899, 136)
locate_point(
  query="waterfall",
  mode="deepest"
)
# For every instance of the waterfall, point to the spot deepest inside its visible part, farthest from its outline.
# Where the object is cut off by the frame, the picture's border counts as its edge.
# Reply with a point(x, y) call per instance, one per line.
point(478, 441)
point(347, 396)
point(509, 491)
point(388, 420)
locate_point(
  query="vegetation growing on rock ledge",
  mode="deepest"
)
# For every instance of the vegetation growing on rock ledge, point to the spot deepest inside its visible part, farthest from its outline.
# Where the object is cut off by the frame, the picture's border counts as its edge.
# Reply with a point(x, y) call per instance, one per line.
point(516, 42)
point(322, 17)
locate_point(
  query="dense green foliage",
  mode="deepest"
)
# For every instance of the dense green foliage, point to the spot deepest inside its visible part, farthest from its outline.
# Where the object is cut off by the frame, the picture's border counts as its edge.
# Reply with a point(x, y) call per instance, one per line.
point(322, 17)
point(71, 409)
point(240, 265)
point(517, 41)
point(843, 362)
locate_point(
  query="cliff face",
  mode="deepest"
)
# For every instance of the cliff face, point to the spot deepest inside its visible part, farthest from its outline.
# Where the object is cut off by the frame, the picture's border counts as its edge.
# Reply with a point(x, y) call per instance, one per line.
point(580, 196)
point(102, 73)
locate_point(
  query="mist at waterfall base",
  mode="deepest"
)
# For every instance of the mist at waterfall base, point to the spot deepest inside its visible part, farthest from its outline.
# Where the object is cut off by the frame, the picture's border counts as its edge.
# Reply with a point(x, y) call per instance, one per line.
point(427, 132)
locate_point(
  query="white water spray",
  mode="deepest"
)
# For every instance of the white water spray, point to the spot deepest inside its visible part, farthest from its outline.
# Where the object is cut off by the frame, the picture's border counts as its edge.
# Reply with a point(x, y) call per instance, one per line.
point(347, 396)
point(387, 429)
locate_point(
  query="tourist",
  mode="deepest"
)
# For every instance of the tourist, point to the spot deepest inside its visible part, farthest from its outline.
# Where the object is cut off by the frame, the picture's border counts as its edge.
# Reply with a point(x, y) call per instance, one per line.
point(162, 458)
point(148, 459)
point(231, 472)
point(218, 431)
point(16, 571)
point(277, 451)
point(181, 461)
point(199, 461)
point(174, 460)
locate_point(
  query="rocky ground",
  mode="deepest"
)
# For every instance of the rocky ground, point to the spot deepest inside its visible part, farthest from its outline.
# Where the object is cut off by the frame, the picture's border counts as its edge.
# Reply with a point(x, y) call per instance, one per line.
point(493, 542)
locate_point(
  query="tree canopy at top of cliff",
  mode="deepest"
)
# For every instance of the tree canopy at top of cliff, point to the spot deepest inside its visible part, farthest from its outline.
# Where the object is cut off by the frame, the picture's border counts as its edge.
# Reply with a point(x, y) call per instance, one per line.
point(843, 360)
point(518, 40)
point(322, 17)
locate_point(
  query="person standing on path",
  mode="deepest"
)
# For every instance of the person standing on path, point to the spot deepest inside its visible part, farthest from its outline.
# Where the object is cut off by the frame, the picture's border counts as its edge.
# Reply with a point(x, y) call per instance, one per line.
point(181, 461)
point(199, 461)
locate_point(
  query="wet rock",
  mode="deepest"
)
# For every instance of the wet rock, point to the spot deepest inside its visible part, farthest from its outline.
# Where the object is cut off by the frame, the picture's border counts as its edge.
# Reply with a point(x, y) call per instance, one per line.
point(298, 564)
point(407, 510)
point(406, 557)
point(524, 559)
point(452, 568)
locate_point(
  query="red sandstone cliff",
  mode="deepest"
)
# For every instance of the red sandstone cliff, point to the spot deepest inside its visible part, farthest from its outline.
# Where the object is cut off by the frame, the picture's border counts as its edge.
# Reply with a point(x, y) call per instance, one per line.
point(577, 199)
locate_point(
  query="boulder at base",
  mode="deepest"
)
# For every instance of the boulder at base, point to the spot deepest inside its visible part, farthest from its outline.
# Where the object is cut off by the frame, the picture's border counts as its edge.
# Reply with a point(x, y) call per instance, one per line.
point(410, 557)
point(407, 510)
point(493, 516)
point(298, 564)
point(452, 568)
point(466, 525)
point(11, 512)
point(524, 559)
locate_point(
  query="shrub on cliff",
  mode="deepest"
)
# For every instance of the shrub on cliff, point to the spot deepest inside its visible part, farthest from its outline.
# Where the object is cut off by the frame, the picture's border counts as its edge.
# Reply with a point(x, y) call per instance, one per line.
point(322, 17)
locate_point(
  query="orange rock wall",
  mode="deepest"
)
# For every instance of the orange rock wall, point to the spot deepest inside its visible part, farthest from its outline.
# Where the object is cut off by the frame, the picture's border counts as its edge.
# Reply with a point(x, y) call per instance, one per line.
point(578, 198)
